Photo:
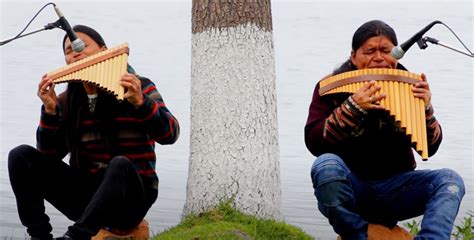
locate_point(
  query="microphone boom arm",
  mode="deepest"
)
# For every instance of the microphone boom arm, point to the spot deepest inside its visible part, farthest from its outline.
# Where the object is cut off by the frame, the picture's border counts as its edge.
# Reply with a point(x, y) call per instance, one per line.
point(48, 26)
point(22, 35)
point(437, 42)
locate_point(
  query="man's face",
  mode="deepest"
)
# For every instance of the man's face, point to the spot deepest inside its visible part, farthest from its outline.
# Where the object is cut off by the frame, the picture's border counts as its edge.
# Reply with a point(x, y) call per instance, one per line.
point(91, 48)
point(374, 53)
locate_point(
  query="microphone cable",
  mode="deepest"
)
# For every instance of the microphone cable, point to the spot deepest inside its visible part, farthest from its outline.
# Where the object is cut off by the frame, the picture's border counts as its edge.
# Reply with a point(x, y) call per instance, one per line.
point(422, 42)
point(27, 25)
point(459, 39)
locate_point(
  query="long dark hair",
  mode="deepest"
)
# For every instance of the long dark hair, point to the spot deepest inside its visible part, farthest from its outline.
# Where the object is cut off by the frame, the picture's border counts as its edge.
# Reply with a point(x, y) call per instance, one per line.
point(75, 105)
point(363, 33)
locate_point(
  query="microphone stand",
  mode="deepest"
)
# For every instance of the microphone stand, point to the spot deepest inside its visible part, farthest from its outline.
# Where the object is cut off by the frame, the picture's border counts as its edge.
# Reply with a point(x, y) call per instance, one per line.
point(422, 44)
point(48, 26)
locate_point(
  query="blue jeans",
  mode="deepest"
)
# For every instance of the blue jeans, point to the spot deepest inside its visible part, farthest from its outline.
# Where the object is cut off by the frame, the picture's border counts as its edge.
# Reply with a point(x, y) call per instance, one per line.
point(350, 203)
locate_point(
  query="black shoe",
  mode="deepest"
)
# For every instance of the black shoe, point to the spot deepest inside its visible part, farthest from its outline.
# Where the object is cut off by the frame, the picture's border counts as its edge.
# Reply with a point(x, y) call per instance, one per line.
point(64, 237)
point(45, 237)
point(41, 238)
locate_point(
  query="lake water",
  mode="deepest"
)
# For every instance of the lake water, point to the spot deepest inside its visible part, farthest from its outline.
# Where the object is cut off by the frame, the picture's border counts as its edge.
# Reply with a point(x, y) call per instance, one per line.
point(310, 37)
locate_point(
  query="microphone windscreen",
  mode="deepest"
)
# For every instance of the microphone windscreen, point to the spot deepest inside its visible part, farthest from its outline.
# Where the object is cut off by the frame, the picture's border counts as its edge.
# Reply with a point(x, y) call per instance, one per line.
point(397, 52)
point(77, 45)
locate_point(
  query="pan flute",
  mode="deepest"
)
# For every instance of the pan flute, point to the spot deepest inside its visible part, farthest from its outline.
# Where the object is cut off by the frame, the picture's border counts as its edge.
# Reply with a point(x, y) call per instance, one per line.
point(103, 69)
point(407, 110)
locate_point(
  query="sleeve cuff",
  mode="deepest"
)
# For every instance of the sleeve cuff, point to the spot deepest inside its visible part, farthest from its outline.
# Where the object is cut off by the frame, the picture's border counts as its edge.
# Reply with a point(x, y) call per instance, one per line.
point(48, 118)
point(354, 108)
point(429, 112)
point(147, 109)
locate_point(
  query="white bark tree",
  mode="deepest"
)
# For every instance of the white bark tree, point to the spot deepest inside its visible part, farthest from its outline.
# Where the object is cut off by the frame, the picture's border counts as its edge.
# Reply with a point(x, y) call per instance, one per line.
point(234, 136)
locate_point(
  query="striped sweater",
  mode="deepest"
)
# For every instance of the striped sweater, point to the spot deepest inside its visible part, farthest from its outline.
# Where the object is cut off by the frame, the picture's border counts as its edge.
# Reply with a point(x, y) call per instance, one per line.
point(371, 144)
point(137, 130)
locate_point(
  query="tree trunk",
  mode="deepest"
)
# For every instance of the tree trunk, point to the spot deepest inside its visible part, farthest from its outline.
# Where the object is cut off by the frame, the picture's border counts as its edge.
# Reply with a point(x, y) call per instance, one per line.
point(234, 137)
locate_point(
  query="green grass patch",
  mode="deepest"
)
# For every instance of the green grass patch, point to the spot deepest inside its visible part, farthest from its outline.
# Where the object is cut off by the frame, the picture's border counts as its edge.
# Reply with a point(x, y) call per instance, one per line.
point(464, 231)
point(224, 222)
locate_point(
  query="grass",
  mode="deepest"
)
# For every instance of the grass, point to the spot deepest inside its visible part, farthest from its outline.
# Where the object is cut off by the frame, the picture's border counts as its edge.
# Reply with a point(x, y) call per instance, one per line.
point(224, 222)
point(413, 227)
point(465, 231)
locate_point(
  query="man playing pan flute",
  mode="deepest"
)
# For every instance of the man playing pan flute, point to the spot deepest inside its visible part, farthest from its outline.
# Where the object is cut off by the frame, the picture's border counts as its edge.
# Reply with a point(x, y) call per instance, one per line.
point(365, 167)
point(111, 179)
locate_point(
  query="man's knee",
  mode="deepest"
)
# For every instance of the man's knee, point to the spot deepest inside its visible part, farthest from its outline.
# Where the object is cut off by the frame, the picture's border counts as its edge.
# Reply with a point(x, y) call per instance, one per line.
point(18, 156)
point(328, 167)
point(120, 163)
point(449, 181)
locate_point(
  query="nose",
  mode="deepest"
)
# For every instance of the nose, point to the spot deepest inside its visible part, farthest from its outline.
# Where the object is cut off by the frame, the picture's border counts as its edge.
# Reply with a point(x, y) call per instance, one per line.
point(378, 57)
point(76, 54)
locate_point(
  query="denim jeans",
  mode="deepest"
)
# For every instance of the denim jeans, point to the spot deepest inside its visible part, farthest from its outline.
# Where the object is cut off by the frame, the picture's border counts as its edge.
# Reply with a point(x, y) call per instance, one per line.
point(350, 203)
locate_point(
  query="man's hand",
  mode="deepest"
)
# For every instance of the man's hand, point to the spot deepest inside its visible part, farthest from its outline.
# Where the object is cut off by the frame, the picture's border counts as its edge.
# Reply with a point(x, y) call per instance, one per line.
point(133, 89)
point(47, 95)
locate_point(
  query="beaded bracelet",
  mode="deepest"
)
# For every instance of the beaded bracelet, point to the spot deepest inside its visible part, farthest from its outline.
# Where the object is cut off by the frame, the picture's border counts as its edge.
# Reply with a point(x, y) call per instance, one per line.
point(353, 103)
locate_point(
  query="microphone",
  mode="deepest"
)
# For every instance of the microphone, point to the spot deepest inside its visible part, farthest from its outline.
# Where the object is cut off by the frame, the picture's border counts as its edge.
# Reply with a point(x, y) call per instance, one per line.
point(76, 43)
point(398, 51)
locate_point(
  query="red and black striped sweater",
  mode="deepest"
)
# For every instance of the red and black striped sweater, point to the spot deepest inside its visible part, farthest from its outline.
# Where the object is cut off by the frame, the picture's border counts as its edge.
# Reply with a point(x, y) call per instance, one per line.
point(136, 132)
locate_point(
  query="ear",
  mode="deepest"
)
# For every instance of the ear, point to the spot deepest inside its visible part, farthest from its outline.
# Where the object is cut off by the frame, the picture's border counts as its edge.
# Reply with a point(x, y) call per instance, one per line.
point(353, 55)
point(103, 48)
